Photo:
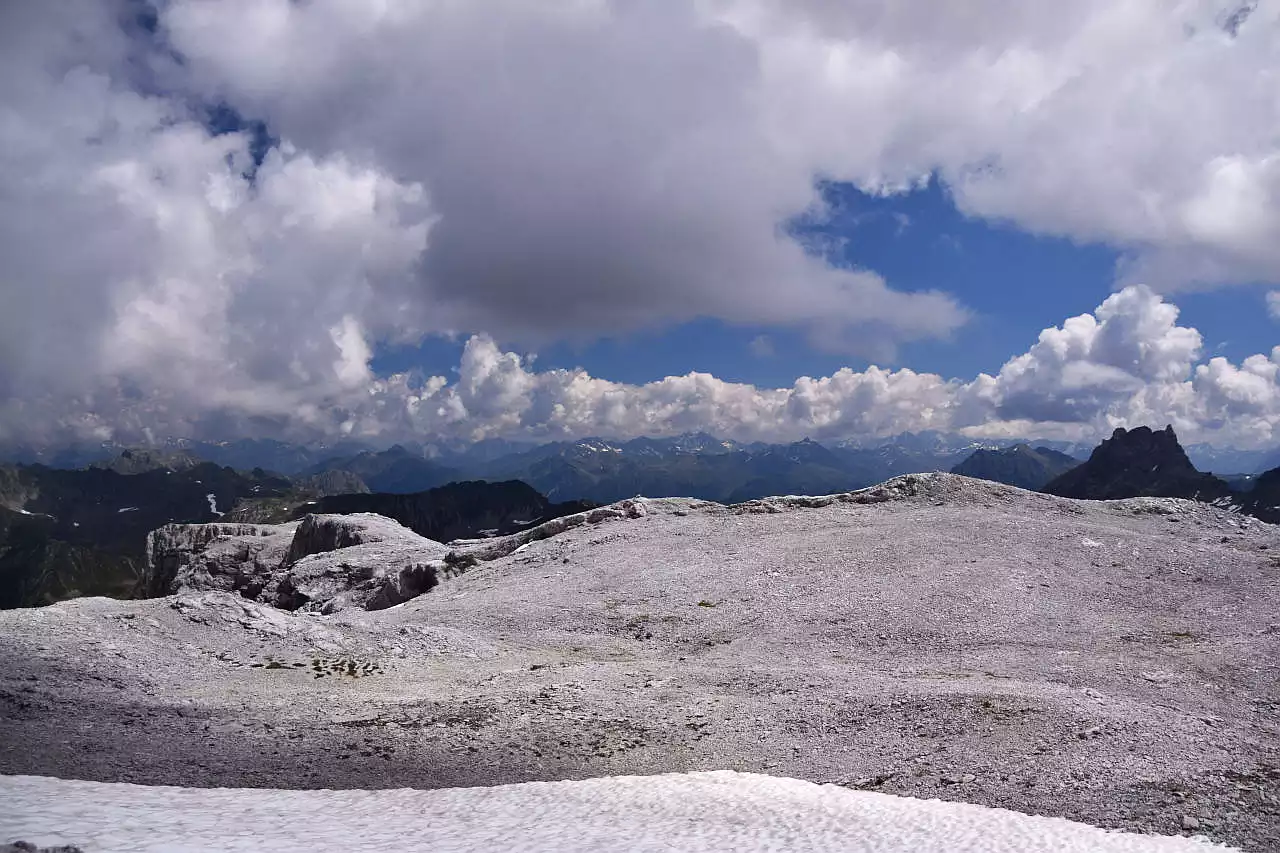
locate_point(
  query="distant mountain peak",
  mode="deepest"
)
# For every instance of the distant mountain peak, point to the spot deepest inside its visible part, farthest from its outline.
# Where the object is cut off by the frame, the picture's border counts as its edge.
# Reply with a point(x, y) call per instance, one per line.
point(1138, 462)
point(1019, 465)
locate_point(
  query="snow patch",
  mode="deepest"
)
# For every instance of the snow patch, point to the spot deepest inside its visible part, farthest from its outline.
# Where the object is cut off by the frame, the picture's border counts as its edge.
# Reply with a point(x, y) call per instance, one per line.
point(213, 504)
point(127, 509)
point(717, 811)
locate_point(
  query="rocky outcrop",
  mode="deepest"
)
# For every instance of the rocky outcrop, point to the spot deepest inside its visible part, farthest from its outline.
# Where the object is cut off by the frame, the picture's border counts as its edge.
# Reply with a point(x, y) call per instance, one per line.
point(211, 556)
point(28, 847)
point(321, 563)
point(1139, 462)
point(1022, 465)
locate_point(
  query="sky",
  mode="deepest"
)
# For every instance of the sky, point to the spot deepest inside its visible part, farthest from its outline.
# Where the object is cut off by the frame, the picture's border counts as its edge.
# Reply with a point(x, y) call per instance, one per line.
point(392, 220)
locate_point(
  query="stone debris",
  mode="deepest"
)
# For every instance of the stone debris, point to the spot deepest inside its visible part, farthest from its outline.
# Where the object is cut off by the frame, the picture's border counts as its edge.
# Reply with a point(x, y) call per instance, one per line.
point(931, 627)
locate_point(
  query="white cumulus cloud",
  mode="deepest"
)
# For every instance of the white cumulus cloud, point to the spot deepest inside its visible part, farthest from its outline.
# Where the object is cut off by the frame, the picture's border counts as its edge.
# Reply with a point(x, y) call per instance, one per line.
point(1128, 363)
point(533, 172)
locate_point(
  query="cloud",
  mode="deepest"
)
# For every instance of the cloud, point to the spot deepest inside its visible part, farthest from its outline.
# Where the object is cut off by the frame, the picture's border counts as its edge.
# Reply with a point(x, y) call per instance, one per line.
point(1128, 363)
point(1143, 124)
point(1094, 362)
point(761, 346)
point(1273, 304)
point(586, 182)
point(558, 176)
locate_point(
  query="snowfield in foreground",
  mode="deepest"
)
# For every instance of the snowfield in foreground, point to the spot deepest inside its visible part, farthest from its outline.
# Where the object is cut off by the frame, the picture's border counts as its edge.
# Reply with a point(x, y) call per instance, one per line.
point(694, 812)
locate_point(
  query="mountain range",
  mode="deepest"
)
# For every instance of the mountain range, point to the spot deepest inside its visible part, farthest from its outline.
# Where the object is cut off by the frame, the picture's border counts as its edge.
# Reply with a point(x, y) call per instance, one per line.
point(1020, 465)
point(66, 533)
point(692, 465)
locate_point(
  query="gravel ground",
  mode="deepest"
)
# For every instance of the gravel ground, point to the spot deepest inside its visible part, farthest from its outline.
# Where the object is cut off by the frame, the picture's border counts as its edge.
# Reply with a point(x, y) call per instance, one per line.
point(1115, 663)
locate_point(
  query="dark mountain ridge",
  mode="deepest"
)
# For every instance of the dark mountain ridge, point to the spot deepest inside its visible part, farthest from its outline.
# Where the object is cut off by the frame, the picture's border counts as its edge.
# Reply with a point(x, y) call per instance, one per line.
point(396, 470)
point(72, 533)
point(1021, 465)
point(456, 511)
point(1140, 462)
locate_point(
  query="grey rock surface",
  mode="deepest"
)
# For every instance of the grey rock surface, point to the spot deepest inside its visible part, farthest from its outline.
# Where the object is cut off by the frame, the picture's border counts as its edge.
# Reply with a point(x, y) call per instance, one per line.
point(1110, 662)
point(323, 562)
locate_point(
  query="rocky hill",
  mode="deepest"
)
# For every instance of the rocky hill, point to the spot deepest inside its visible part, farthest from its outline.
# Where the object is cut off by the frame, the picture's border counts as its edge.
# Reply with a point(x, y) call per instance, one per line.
point(66, 533)
point(1021, 465)
point(1135, 463)
point(935, 637)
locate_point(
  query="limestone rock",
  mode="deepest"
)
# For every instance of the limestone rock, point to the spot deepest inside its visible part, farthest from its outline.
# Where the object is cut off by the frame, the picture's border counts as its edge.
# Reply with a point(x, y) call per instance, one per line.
point(322, 563)
point(198, 557)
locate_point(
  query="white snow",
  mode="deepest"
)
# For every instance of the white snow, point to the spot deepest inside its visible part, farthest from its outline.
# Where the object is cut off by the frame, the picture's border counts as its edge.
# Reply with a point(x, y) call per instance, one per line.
point(25, 512)
point(213, 504)
point(719, 811)
point(128, 509)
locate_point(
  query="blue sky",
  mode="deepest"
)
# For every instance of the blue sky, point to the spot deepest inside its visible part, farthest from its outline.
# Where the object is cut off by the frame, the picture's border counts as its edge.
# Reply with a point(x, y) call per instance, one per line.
point(1014, 282)
point(231, 207)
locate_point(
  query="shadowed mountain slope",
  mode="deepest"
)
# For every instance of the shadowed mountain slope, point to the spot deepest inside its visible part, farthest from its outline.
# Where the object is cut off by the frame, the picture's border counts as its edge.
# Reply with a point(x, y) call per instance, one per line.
point(455, 511)
point(1021, 465)
point(1138, 462)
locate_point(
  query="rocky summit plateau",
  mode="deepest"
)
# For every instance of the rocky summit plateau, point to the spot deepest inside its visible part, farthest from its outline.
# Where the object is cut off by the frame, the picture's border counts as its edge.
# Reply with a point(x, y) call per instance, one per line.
point(1116, 663)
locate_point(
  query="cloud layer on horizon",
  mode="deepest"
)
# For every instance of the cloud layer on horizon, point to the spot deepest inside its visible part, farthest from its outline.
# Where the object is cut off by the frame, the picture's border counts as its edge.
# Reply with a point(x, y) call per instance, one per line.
point(1128, 363)
point(528, 173)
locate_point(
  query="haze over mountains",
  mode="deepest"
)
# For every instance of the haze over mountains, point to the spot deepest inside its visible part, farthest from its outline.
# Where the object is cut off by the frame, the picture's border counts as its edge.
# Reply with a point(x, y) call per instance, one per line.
point(693, 464)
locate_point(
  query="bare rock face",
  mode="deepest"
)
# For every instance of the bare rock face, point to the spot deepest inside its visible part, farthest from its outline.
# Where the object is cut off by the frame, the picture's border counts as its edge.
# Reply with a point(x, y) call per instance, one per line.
point(322, 563)
point(212, 556)
point(1140, 462)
